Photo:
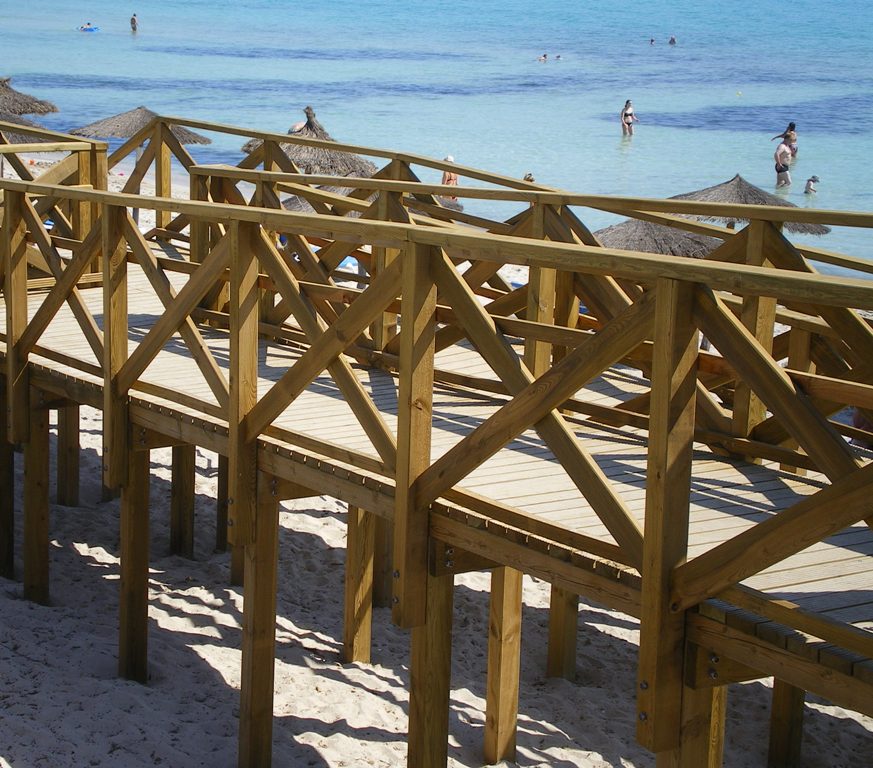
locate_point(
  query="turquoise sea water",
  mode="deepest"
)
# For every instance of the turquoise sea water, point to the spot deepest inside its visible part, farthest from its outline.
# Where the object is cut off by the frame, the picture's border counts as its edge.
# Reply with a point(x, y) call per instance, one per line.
point(455, 78)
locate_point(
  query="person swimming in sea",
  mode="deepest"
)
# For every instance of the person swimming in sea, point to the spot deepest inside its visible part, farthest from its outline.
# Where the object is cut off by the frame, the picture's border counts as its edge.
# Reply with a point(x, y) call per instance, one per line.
point(627, 118)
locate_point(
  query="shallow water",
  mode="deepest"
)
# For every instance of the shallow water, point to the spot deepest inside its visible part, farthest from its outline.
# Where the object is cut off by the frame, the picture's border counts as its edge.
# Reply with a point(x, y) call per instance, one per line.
point(462, 79)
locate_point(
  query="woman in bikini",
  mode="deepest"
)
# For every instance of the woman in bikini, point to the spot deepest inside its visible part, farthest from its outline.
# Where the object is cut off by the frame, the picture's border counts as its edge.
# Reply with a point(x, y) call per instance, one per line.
point(627, 118)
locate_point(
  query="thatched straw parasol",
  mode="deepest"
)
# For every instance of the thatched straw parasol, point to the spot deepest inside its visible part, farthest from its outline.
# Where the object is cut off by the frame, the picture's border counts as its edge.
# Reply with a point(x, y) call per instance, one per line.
point(127, 124)
point(321, 160)
point(637, 235)
point(14, 137)
point(16, 103)
point(738, 191)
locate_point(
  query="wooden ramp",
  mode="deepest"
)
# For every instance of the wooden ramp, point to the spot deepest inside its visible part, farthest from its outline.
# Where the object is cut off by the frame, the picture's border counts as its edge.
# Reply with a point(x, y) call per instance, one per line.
point(471, 424)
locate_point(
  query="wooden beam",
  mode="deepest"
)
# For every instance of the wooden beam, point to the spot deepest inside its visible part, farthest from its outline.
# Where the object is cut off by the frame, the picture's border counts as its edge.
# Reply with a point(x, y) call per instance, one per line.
point(504, 663)
point(328, 339)
point(242, 452)
point(554, 430)
point(702, 729)
point(116, 445)
point(563, 623)
point(182, 500)
point(187, 329)
point(14, 245)
point(809, 675)
point(414, 426)
point(221, 496)
point(259, 633)
point(430, 678)
point(7, 492)
point(671, 435)
point(36, 504)
point(802, 420)
point(358, 604)
point(786, 725)
point(758, 315)
point(175, 315)
point(163, 171)
point(813, 519)
point(134, 586)
point(383, 570)
point(67, 491)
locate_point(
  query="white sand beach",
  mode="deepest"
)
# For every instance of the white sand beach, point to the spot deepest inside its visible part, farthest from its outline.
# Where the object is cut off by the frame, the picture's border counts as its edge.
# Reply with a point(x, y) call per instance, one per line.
point(62, 704)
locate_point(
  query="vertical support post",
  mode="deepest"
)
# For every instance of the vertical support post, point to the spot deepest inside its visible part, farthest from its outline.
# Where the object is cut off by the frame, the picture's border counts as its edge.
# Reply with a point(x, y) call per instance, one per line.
point(221, 505)
point(504, 661)
point(198, 229)
point(414, 425)
point(259, 633)
point(702, 735)
point(133, 598)
point(36, 503)
point(68, 456)
point(99, 180)
point(358, 605)
point(237, 551)
point(116, 444)
point(430, 678)
point(242, 448)
point(786, 725)
point(799, 359)
point(383, 578)
point(7, 493)
point(182, 500)
point(385, 327)
point(563, 621)
point(82, 210)
point(758, 314)
point(163, 173)
point(671, 433)
point(15, 292)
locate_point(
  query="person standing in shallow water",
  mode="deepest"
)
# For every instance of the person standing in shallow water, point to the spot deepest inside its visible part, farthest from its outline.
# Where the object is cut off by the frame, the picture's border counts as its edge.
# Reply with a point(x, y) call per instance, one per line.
point(134, 23)
point(782, 156)
point(627, 118)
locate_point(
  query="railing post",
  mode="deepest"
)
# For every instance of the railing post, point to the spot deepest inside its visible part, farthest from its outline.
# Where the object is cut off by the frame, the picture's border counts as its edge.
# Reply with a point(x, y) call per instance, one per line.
point(116, 442)
point(82, 212)
point(758, 314)
point(242, 448)
point(671, 433)
point(415, 406)
point(163, 173)
point(15, 293)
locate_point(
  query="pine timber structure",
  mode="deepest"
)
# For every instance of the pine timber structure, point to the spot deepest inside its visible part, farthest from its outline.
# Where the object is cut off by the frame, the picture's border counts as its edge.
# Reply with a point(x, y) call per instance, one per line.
point(570, 428)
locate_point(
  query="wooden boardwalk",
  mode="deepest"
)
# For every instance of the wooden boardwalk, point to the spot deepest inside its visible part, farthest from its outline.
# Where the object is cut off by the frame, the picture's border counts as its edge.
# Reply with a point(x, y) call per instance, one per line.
point(471, 424)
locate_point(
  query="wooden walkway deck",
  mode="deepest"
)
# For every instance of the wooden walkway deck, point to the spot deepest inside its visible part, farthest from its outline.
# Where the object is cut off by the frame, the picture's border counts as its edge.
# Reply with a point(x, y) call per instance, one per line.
point(570, 428)
point(831, 578)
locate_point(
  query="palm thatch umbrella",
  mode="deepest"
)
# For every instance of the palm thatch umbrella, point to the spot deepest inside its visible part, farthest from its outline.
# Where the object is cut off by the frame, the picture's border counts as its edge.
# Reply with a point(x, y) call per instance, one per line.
point(320, 160)
point(13, 137)
point(738, 191)
point(637, 235)
point(127, 124)
point(17, 103)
